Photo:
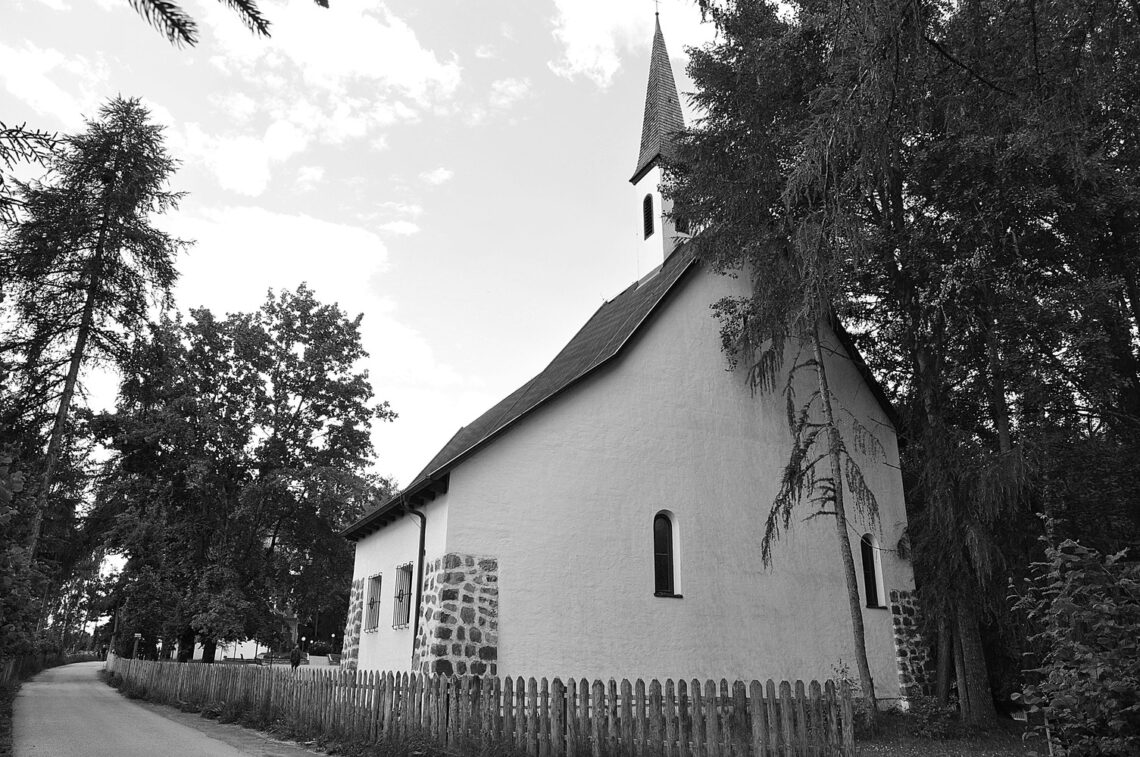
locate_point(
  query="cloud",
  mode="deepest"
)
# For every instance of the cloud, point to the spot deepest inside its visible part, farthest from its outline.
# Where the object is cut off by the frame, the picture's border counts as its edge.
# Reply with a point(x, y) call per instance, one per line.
point(506, 92)
point(280, 250)
point(594, 34)
point(486, 52)
point(308, 177)
point(241, 163)
point(401, 228)
point(344, 264)
point(336, 47)
point(45, 79)
point(437, 176)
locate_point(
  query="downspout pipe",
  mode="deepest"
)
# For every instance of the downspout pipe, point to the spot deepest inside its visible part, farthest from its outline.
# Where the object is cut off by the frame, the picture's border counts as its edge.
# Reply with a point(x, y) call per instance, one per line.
point(419, 572)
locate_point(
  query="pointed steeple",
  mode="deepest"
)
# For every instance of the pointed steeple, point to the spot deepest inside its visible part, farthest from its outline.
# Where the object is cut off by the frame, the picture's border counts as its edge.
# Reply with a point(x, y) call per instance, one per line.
point(662, 109)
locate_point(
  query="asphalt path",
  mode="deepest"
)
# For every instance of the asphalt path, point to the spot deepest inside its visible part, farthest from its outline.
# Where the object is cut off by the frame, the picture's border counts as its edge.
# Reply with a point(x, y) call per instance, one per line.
point(70, 712)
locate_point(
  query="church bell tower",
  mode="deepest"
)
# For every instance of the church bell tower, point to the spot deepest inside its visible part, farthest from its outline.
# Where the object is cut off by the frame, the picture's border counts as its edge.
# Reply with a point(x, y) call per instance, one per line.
point(659, 126)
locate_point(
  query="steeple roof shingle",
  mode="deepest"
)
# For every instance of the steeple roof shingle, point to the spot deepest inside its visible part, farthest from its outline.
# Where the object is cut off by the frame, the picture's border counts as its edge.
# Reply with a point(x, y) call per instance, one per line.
point(662, 108)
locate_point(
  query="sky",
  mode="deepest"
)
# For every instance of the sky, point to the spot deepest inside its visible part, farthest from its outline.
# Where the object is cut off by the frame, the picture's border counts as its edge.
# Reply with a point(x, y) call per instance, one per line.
point(456, 171)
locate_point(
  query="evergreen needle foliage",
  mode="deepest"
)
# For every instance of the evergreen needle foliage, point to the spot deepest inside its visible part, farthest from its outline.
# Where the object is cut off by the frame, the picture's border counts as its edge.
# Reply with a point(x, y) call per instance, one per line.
point(85, 264)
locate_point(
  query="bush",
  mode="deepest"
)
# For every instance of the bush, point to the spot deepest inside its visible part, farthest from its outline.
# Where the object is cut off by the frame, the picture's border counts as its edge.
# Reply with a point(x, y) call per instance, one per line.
point(319, 648)
point(1087, 686)
point(928, 718)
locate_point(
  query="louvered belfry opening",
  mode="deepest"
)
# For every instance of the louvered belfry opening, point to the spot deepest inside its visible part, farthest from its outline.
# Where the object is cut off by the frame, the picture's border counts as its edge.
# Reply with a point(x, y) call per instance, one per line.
point(647, 215)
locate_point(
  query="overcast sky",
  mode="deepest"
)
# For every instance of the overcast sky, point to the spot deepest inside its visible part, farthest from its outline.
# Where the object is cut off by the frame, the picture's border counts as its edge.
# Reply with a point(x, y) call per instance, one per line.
point(455, 171)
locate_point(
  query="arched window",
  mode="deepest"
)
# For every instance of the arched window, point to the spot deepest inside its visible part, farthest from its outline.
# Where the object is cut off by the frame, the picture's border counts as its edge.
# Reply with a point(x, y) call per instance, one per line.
point(663, 583)
point(647, 216)
point(872, 571)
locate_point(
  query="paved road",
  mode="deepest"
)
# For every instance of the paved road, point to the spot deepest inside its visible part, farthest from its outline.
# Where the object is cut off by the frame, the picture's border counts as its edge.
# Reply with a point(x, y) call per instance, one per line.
point(69, 712)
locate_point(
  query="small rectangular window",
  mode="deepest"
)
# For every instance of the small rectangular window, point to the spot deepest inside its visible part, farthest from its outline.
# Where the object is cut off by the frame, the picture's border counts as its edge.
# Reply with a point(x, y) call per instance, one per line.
point(372, 605)
point(402, 609)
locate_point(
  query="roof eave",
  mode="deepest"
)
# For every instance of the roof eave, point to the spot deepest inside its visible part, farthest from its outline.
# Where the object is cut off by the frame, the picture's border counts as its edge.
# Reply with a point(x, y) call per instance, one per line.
point(645, 168)
point(414, 496)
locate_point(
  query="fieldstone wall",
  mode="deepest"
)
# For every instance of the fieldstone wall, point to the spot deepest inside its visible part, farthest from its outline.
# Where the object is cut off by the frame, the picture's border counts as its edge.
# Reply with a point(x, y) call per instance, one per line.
point(912, 655)
point(350, 652)
point(459, 628)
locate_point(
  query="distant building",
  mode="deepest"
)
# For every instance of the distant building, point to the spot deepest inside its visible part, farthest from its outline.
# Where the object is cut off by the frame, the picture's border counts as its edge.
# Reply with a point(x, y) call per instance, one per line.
point(605, 519)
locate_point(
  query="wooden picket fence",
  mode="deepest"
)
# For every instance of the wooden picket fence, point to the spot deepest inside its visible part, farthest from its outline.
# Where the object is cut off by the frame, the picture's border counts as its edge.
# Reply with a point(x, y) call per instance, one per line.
point(540, 718)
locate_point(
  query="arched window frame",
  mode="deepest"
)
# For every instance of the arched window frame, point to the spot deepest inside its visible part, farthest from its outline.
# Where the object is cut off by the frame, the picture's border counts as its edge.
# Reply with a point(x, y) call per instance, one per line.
point(873, 590)
point(648, 224)
point(666, 557)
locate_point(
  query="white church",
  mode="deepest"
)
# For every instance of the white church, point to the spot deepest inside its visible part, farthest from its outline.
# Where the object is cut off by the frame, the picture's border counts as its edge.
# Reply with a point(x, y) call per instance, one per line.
point(605, 519)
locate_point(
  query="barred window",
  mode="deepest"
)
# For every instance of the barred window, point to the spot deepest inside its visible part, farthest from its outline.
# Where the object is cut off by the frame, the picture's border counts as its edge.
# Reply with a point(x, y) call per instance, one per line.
point(372, 616)
point(402, 610)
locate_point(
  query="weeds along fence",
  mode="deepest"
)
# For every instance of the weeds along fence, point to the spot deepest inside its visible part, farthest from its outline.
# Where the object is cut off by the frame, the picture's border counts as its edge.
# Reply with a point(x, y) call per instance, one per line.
point(540, 718)
point(13, 669)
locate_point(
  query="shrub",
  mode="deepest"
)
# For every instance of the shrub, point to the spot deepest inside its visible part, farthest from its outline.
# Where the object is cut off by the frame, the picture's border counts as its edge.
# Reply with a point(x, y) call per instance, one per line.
point(1087, 686)
point(929, 718)
point(319, 648)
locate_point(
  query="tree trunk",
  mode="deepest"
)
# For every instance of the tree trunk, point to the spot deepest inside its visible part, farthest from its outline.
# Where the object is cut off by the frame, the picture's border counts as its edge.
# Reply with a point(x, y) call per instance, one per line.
point(976, 681)
point(854, 605)
point(86, 321)
point(55, 444)
point(186, 645)
point(998, 405)
point(209, 649)
point(945, 659)
point(960, 672)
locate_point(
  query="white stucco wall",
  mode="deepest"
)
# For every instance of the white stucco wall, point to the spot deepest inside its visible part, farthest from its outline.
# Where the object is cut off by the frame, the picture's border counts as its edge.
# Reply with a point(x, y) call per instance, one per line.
point(387, 648)
point(566, 500)
point(652, 250)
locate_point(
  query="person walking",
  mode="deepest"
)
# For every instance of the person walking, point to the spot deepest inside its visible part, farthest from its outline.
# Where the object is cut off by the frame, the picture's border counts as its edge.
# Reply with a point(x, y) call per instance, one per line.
point(295, 657)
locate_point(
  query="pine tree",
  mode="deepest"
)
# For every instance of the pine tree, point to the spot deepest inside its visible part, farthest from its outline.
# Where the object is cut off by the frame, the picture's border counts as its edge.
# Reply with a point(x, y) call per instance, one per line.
point(85, 262)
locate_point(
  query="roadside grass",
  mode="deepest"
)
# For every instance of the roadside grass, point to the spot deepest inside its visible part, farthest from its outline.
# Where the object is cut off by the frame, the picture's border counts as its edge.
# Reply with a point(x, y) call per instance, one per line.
point(7, 696)
point(898, 735)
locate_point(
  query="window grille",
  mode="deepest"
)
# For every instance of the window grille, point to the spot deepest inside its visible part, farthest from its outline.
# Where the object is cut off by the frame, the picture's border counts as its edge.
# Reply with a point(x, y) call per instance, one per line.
point(402, 611)
point(647, 216)
point(372, 617)
point(662, 556)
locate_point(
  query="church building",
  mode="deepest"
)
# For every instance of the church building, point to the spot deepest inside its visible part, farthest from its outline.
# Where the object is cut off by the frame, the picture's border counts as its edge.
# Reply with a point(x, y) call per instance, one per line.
point(605, 519)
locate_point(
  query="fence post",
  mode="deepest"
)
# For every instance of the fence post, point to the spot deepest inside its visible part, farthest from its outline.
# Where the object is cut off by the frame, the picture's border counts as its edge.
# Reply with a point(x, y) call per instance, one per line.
point(656, 729)
point(712, 719)
point(597, 718)
point(697, 709)
point(759, 719)
point(684, 719)
point(848, 719)
point(497, 709)
point(627, 743)
point(640, 733)
point(801, 719)
point(815, 702)
point(545, 737)
point(740, 729)
point(557, 718)
point(531, 717)
point(786, 724)
point(774, 732)
point(670, 746)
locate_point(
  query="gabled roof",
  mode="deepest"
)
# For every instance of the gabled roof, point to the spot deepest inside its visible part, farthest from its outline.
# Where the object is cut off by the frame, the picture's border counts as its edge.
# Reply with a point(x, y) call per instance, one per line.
point(663, 116)
point(602, 339)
